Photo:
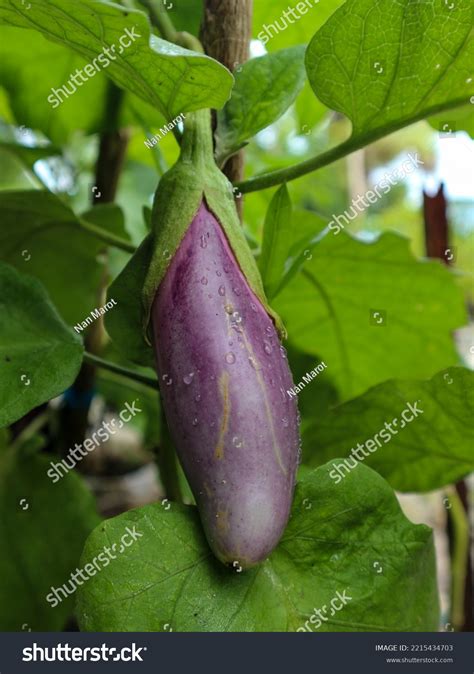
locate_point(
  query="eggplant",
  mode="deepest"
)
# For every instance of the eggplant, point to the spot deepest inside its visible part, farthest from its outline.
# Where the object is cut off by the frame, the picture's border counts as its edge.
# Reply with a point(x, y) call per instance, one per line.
point(223, 372)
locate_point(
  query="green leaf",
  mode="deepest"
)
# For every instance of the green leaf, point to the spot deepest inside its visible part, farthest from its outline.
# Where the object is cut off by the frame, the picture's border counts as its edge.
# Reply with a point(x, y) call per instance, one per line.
point(461, 119)
point(41, 235)
point(265, 87)
point(125, 325)
point(277, 233)
point(38, 550)
point(107, 216)
point(39, 355)
point(342, 308)
point(436, 448)
point(306, 230)
point(4, 439)
point(336, 540)
point(28, 75)
point(390, 64)
point(172, 79)
point(310, 112)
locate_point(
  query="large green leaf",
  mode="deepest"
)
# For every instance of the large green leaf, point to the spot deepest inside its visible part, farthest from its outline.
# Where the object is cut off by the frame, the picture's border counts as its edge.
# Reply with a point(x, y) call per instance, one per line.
point(338, 539)
point(388, 64)
point(40, 235)
point(372, 311)
point(39, 355)
point(42, 532)
point(433, 450)
point(265, 87)
point(28, 75)
point(173, 79)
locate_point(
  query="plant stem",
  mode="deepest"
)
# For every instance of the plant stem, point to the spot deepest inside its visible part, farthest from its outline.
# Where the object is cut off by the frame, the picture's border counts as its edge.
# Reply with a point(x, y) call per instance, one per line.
point(107, 237)
point(349, 146)
point(226, 31)
point(298, 170)
point(113, 145)
point(34, 427)
point(459, 558)
point(119, 369)
point(160, 18)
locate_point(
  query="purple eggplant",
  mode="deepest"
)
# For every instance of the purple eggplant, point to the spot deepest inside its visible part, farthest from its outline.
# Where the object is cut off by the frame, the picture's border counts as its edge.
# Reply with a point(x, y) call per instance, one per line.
point(224, 378)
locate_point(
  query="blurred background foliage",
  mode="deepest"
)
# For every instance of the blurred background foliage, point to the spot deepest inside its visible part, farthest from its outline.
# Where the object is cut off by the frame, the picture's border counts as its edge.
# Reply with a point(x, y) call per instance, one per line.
point(57, 149)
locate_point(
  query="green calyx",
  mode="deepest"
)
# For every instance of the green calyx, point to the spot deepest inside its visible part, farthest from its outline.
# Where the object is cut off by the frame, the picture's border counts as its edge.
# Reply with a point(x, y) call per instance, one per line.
point(195, 177)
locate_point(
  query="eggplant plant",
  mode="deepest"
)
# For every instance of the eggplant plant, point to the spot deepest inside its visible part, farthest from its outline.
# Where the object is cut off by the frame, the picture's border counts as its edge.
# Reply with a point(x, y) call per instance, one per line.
point(274, 349)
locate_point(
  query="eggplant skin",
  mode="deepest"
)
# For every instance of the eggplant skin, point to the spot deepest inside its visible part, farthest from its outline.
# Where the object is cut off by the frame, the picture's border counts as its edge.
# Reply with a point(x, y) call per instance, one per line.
point(224, 379)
